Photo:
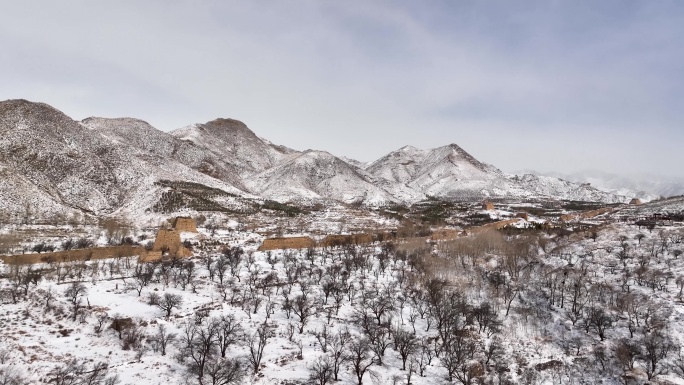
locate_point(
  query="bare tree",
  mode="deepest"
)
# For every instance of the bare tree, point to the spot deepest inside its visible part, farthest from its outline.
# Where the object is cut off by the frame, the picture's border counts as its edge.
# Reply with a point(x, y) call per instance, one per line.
point(323, 337)
point(74, 293)
point(229, 332)
point(163, 338)
point(320, 371)
point(639, 237)
point(626, 352)
point(257, 343)
point(456, 358)
point(234, 256)
point(678, 364)
point(211, 267)
point(337, 347)
point(28, 276)
point(220, 267)
point(360, 358)
point(424, 356)
point(224, 371)
point(380, 305)
point(486, 318)
point(303, 308)
point(380, 340)
point(169, 301)
point(142, 275)
point(198, 346)
point(405, 343)
point(4, 356)
point(600, 320)
point(655, 349)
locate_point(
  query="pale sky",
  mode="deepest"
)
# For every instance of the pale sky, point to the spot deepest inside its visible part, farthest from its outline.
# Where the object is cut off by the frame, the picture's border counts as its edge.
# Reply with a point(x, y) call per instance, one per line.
point(546, 85)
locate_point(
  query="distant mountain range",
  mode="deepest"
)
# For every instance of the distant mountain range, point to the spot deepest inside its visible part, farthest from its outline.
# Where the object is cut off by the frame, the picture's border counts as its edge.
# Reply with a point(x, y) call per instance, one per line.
point(53, 165)
point(642, 186)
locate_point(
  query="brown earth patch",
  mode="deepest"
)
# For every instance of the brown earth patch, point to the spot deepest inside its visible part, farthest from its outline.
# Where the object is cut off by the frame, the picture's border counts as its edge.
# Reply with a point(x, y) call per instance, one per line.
point(287, 243)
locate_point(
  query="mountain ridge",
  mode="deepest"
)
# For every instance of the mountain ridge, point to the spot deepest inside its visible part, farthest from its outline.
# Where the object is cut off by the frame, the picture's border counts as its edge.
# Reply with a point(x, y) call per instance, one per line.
point(646, 187)
point(103, 165)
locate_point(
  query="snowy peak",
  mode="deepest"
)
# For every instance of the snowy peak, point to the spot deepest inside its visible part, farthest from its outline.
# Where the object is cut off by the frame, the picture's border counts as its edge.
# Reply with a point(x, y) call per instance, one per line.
point(458, 156)
point(134, 132)
point(232, 141)
point(36, 122)
point(398, 166)
point(449, 171)
point(228, 131)
point(318, 175)
point(432, 171)
point(409, 150)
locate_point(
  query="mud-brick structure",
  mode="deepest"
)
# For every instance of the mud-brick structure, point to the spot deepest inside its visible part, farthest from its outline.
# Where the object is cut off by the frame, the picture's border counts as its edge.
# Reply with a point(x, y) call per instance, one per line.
point(287, 243)
point(89, 254)
point(169, 240)
point(487, 205)
point(185, 224)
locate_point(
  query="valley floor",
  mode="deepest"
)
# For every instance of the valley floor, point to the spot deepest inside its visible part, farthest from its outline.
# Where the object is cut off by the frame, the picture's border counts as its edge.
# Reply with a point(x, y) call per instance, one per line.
point(531, 308)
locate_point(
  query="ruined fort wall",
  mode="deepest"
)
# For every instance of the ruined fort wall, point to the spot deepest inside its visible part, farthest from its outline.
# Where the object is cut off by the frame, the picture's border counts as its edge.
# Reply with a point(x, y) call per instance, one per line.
point(169, 240)
point(287, 243)
point(94, 253)
point(186, 224)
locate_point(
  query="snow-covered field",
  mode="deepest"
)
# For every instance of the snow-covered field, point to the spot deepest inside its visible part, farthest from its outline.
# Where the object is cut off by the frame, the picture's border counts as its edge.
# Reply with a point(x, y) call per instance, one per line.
point(556, 307)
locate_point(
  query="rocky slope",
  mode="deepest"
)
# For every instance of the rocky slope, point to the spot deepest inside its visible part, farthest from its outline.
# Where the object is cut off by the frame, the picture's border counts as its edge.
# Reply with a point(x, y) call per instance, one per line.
point(62, 158)
point(232, 141)
point(146, 141)
point(58, 164)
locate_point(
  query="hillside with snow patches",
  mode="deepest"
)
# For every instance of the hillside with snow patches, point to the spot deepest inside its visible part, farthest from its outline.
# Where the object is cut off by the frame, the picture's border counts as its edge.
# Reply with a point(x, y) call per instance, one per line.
point(55, 165)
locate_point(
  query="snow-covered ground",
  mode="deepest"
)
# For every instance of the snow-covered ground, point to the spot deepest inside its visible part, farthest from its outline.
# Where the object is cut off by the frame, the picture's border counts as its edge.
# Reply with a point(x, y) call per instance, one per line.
point(533, 308)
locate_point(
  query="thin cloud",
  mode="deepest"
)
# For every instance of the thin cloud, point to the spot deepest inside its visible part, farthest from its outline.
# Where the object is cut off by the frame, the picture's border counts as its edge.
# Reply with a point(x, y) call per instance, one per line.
point(562, 85)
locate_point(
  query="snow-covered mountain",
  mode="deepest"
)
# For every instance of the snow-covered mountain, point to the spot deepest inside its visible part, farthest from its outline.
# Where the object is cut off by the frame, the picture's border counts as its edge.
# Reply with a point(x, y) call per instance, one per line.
point(449, 171)
point(644, 187)
point(148, 142)
point(314, 175)
point(563, 189)
point(54, 165)
point(61, 158)
point(232, 141)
